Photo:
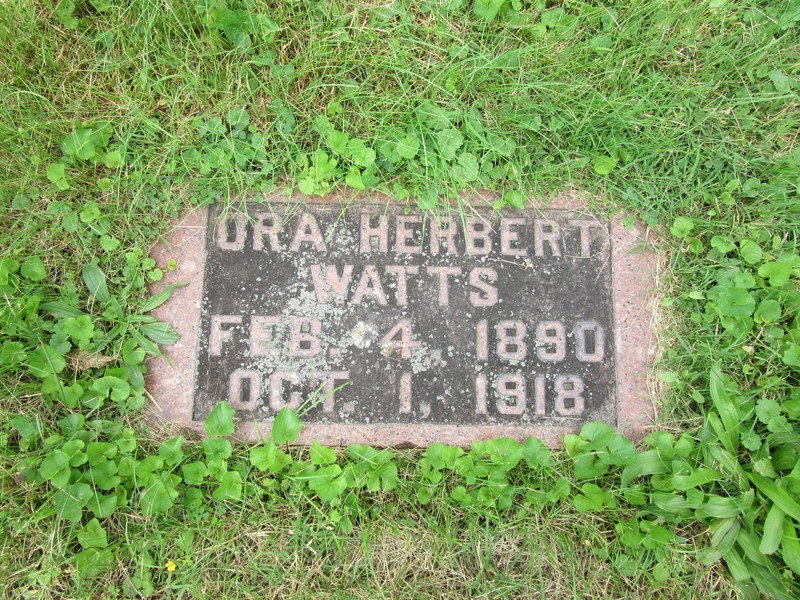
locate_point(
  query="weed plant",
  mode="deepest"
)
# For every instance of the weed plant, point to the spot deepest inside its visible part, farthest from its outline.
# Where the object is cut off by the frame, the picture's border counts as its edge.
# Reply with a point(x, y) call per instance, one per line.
point(115, 116)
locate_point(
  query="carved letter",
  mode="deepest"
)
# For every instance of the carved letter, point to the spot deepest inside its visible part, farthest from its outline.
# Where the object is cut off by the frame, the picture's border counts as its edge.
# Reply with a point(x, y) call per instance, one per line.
point(262, 338)
point(307, 232)
point(275, 392)
point(401, 271)
point(551, 236)
point(231, 232)
point(551, 341)
point(585, 225)
point(218, 335)
point(511, 386)
point(477, 230)
point(489, 295)
point(368, 233)
point(244, 389)
point(569, 399)
point(304, 337)
point(538, 393)
point(331, 282)
point(510, 340)
point(480, 395)
point(589, 342)
point(329, 379)
point(444, 273)
point(405, 393)
point(404, 235)
point(446, 233)
point(370, 285)
point(482, 340)
point(268, 225)
point(405, 344)
point(508, 237)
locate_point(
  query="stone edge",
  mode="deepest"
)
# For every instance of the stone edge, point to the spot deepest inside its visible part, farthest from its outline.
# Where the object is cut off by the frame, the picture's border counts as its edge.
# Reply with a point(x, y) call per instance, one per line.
point(171, 386)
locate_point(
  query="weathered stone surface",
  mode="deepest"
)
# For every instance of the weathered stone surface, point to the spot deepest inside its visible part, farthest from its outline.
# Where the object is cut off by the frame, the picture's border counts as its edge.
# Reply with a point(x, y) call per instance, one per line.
point(390, 327)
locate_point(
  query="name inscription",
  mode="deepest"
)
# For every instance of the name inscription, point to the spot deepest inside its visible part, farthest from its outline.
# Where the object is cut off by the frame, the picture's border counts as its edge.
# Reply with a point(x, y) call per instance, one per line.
point(372, 315)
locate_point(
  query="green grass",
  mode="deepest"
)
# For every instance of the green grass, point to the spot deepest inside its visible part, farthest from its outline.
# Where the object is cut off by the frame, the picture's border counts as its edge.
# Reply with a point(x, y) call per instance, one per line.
point(116, 116)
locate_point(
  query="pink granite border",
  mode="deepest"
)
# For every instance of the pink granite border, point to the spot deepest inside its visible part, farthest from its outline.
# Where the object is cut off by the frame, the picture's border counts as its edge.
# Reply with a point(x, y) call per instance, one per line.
point(634, 269)
point(170, 380)
point(633, 277)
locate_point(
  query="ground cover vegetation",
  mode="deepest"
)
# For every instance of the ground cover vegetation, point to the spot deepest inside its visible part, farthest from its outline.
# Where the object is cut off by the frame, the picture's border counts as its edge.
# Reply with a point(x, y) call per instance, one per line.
point(115, 116)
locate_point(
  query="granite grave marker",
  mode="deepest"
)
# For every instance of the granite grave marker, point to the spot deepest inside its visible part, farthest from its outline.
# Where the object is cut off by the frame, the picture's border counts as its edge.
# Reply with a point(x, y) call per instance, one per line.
point(390, 326)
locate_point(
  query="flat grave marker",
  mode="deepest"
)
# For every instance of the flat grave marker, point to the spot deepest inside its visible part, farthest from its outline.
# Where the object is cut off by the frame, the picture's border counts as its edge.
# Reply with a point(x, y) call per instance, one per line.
point(389, 326)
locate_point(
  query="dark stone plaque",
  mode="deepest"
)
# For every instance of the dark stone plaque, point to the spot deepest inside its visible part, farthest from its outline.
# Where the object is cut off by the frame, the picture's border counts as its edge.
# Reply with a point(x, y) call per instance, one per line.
point(406, 327)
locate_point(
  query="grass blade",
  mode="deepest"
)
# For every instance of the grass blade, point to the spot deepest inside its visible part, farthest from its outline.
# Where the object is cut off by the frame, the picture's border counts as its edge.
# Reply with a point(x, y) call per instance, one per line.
point(727, 409)
point(791, 547)
point(95, 280)
point(158, 299)
point(773, 531)
point(777, 494)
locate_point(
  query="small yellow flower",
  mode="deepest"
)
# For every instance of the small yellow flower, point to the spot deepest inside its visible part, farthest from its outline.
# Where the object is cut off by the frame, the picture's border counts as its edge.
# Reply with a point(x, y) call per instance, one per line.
point(171, 566)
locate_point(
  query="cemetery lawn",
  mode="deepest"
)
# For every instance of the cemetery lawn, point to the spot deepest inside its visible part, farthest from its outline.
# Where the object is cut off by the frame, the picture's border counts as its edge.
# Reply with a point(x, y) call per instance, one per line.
point(116, 116)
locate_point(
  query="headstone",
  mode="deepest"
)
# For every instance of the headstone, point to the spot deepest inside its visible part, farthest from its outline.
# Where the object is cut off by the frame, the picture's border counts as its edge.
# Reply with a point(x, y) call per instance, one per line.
point(385, 325)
